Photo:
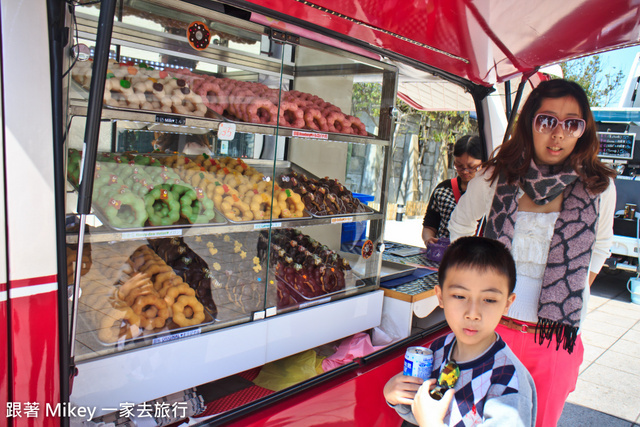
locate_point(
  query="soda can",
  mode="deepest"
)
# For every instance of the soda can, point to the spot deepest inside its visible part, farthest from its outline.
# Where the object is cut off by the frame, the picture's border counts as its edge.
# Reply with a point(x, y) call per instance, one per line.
point(418, 362)
point(630, 211)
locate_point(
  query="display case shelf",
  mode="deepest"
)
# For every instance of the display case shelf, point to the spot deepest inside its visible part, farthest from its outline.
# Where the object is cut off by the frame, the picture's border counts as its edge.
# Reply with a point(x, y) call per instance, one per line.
point(152, 118)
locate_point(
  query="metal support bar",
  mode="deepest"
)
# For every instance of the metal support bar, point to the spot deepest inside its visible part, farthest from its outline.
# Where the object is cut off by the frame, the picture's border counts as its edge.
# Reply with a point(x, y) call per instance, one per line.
point(90, 148)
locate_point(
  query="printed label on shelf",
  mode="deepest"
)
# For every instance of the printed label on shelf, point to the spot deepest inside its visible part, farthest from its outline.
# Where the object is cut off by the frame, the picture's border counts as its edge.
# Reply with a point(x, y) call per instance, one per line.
point(172, 120)
point(177, 336)
point(341, 220)
point(226, 131)
point(263, 226)
point(315, 135)
point(145, 234)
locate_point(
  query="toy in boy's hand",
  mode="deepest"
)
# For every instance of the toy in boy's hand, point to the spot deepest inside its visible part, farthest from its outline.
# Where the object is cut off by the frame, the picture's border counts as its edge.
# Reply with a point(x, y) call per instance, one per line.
point(447, 379)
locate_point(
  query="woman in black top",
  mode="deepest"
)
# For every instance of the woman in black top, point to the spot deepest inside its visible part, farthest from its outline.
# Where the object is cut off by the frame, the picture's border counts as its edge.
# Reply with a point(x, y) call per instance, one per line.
point(467, 158)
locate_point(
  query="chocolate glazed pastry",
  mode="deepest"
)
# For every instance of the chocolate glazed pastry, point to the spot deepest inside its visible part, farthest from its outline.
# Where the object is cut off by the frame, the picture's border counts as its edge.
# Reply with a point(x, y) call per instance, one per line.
point(189, 266)
point(310, 268)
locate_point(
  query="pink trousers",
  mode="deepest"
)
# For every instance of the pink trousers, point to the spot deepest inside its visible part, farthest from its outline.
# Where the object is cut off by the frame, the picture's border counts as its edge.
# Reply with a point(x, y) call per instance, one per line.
point(555, 372)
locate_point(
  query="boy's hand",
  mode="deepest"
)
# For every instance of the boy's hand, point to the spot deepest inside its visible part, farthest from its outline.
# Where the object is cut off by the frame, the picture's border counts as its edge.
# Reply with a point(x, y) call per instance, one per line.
point(401, 389)
point(428, 411)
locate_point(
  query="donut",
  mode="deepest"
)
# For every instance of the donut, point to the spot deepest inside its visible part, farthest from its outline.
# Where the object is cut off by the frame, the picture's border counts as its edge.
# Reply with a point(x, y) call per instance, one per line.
point(174, 292)
point(262, 207)
point(357, 127)
point(214, 97)
point(112, 323)
point(236, 209)
point(133, 282)
point(162, 207)
point(179, 317)
point(293, 205)
point(338, 122)
point(118, 92)
point(185, 102)
point(313, 119)
point(132, 296)
point(291, 115)
point(196, 207)
point(149, 92)
point(160, 285)
point(154, 304)
point(198, 35)
point(263, 111)
point(125, 210)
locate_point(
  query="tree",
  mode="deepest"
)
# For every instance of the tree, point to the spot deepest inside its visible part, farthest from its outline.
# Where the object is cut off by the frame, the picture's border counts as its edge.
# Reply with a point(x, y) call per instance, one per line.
point(588, 72)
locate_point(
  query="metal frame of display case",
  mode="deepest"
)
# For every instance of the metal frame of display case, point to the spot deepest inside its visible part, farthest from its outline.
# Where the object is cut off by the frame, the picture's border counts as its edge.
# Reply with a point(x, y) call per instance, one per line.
point(263, 340)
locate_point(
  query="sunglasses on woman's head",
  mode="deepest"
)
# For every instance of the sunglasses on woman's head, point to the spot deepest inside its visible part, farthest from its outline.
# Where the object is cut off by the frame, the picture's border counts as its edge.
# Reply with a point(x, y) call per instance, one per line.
point(546, 123)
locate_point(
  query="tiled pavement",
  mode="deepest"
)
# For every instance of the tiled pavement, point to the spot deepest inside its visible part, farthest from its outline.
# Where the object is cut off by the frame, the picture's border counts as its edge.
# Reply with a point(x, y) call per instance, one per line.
point(608, 389)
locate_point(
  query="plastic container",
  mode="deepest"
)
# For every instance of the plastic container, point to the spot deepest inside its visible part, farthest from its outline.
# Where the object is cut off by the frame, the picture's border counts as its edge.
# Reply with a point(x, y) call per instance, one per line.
point(633, 285)
point(435, 251)
point(354, 232)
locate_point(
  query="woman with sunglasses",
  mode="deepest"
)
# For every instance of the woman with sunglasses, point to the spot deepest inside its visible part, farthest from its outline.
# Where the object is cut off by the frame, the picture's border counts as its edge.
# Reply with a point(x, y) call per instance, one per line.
point(547, 196)
point(467, 158)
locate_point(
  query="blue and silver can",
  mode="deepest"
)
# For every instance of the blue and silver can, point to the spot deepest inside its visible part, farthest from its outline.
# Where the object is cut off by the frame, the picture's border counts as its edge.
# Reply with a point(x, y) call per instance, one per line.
point(418, 362)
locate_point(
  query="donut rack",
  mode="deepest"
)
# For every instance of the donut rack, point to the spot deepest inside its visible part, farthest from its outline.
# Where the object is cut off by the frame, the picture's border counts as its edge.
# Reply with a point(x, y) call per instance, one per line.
point(249, 328)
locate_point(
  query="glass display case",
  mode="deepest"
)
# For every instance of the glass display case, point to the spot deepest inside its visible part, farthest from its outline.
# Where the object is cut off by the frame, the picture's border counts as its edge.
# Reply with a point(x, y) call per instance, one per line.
point(221, 190)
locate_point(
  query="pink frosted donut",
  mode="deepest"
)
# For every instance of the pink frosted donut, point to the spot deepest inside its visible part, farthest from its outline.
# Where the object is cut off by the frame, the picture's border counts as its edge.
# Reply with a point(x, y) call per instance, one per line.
point(338, 122)
point(327, 107)
point(236, 99)
point(291, 115)
point(314, 119)
point(357, 127)
point(213, 97)
point(262, 111)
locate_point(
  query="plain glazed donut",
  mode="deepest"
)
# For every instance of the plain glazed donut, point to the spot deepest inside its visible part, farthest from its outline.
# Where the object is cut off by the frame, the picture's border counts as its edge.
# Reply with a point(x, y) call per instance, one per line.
point(175, 291)
point(179, 317)
point(112, 323)
point(154, 303)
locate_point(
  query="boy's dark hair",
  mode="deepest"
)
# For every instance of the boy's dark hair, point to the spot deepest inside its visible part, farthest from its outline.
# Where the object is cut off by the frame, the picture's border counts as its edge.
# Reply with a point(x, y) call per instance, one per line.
point(479, 253)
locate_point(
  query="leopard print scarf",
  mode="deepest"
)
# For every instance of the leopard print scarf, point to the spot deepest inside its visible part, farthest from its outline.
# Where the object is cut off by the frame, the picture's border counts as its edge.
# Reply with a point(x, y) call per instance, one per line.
point(574, 234)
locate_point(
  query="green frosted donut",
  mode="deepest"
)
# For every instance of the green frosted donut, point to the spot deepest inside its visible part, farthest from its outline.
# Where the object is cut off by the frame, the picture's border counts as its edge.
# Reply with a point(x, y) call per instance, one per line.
point(125, 210)
point(162, 207)
point(196, 207)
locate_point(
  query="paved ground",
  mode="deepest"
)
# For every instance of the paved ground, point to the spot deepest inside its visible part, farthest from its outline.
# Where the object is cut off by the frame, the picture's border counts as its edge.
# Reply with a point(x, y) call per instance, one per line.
point(608, 389)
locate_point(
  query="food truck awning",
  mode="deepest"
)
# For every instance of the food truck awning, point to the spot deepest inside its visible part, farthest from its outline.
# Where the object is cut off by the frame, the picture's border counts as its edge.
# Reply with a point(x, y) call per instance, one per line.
point(486, 42)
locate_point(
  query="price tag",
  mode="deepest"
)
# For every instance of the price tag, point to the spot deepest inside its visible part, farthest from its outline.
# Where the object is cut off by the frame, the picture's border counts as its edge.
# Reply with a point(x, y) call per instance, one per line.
point(226, 131)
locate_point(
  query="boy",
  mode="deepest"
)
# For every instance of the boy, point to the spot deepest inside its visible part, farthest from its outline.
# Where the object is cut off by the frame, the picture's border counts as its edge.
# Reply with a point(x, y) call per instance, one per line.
point(476, 281)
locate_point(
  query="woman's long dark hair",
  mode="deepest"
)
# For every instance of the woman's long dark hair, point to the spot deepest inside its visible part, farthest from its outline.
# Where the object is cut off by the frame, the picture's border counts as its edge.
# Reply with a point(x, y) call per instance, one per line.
point(513, 158)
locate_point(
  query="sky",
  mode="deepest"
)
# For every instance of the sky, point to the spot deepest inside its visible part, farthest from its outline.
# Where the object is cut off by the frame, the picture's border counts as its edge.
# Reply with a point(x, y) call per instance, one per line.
point(620, 59)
